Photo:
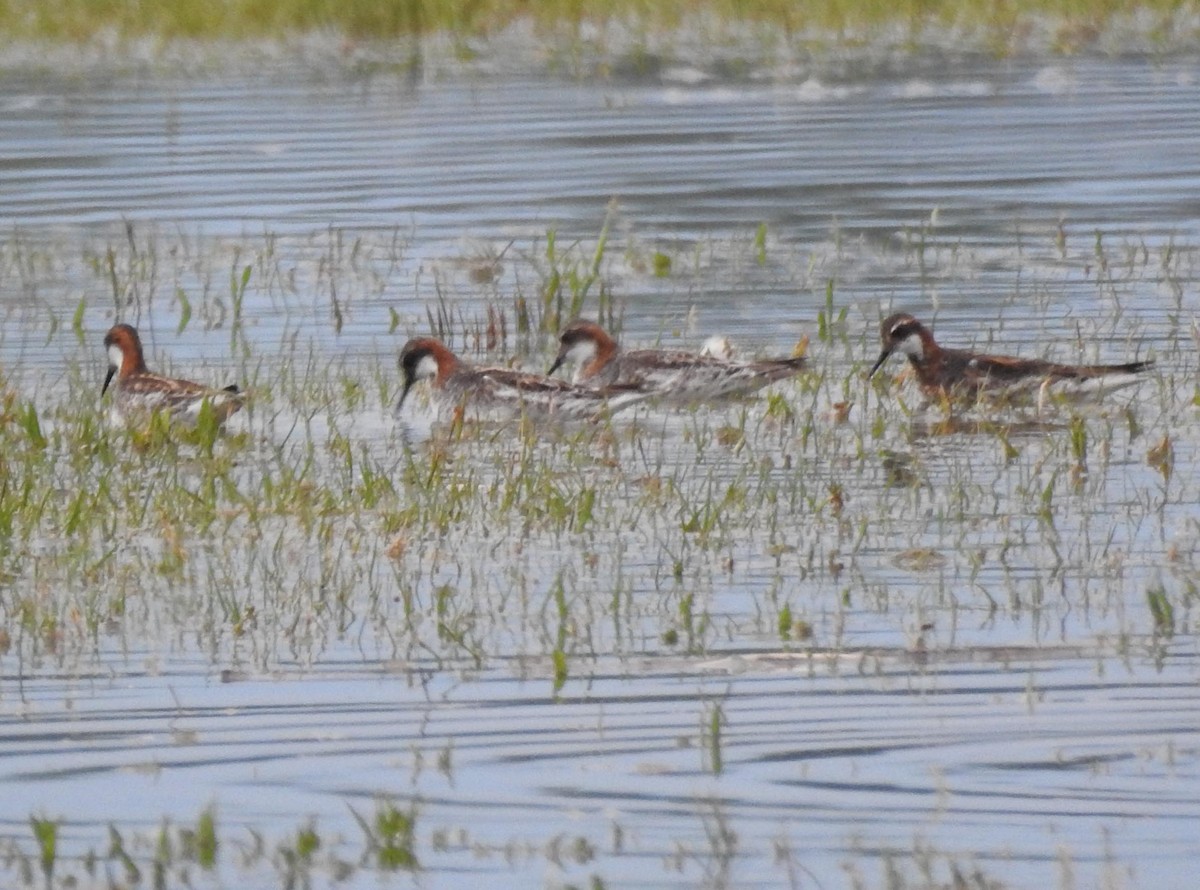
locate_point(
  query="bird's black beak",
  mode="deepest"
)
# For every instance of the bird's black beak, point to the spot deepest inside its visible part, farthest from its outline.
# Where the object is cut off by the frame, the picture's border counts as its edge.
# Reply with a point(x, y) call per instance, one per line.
point(112, 369)
point(883, 357)
point(558, 363)
point(408, 382)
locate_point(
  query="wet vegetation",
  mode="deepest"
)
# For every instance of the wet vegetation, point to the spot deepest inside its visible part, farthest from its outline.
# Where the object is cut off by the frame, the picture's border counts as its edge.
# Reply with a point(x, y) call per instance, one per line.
point(202, 853)
point(297, 521)
point(834, 509)
point(1070, 24)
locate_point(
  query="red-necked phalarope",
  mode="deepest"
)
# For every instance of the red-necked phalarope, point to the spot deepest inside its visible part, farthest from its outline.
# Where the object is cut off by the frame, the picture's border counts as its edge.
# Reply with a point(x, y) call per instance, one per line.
point(138, 391)
point(500, 394)
point(960, 373)
point(668, 375)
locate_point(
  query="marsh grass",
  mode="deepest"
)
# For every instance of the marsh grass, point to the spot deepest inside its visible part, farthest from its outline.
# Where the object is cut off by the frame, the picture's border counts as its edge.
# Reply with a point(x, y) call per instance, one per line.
point(315, 528)
point(390, 836)
point(192, 854)
point(1074, 23)
point(206, 854)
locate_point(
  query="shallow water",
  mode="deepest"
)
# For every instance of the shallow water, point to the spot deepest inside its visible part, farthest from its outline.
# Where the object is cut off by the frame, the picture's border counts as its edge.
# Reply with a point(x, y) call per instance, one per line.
point(985, 685)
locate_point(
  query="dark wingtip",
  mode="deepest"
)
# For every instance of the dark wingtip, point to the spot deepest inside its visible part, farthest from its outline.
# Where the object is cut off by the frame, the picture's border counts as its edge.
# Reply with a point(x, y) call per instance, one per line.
point(1125, 368)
